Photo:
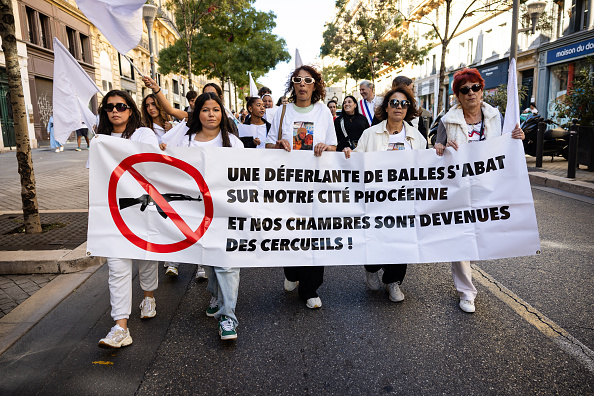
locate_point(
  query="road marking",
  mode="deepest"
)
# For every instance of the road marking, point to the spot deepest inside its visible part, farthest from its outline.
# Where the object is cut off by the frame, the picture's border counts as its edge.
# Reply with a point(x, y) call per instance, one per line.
point(546, 326)
point(103, 362)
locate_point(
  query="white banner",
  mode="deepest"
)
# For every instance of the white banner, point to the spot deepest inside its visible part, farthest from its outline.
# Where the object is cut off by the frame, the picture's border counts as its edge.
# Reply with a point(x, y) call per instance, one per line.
point(253, 208)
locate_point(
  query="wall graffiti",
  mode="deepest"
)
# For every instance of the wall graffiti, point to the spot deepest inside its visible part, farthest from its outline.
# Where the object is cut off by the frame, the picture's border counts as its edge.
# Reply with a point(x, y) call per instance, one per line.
point(45, 110)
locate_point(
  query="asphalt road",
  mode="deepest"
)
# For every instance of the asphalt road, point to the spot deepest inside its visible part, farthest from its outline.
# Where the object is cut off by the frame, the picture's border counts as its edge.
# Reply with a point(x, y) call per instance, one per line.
point(358, 343)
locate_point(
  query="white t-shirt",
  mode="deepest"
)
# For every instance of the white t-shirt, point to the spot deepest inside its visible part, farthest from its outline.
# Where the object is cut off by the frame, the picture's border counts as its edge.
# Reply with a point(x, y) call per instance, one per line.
point(398, 141)
point(159, 131)
point(189, 141)
point(474, 132)
point(142, 135)
point(304, 130)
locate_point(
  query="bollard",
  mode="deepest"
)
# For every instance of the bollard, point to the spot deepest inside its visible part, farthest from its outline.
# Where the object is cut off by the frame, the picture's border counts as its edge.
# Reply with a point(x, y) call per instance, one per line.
point(572, 159)
point(542, 126)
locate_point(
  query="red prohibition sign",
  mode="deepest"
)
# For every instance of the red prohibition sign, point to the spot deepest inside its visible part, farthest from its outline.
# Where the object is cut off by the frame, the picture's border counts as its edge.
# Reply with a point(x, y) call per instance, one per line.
point(192, 236)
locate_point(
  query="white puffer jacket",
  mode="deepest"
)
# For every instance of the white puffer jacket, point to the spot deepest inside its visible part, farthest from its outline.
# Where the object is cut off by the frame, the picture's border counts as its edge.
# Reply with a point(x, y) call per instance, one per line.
point(457, 128)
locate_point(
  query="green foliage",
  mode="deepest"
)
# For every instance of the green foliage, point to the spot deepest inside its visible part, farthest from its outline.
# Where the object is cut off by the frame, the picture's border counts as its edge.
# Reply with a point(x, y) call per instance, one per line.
point(579, 100)
point(498, 98)
point(334, 74)
point(232, 38)
point(362, 38)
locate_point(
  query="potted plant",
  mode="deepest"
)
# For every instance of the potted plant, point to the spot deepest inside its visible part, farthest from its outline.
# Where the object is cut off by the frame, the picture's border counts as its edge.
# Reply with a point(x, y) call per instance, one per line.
point(578, 104)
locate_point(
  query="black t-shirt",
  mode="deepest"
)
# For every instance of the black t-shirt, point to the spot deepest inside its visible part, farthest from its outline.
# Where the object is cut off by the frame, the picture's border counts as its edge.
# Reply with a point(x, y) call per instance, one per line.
point(354, 126)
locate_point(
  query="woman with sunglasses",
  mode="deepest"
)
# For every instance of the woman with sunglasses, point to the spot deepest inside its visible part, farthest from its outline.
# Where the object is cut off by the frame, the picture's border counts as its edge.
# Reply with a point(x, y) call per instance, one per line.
point(119, 116)
point(210, 128)
point(391, 134)
point(471, 120)
point(304, 115)
point(155, 117)
point(350, 124)
point(256, 110)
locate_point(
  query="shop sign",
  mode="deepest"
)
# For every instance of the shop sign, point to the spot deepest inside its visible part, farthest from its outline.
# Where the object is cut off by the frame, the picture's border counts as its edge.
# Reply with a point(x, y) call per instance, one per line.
point(494, 74)
point(571, 51)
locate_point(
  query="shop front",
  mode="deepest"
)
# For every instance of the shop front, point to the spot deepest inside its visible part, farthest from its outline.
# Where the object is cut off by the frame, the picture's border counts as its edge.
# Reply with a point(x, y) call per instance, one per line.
point(426, 91)
point(559, 64)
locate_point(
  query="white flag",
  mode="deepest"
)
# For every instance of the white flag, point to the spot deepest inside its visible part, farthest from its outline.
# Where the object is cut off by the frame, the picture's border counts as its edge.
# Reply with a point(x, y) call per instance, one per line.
point(298, 61)
point(253, 87)
point(73, 89)
point(120, 21)
point(512, 109)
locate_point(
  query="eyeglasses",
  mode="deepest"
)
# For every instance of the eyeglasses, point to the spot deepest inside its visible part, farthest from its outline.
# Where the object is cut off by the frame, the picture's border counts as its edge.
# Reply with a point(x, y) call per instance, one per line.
point(475, 88)
point(118, 106)
point(307, 80)
point(402, 103)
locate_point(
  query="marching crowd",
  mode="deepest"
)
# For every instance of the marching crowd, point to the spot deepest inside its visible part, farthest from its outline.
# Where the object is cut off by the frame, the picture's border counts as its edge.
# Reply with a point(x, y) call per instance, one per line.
point(301, 121)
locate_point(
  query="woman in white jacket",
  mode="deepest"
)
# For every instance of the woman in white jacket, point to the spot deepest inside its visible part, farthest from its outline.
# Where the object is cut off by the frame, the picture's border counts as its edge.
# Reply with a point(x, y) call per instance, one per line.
point(119, 116)
point(471, 120)
point(391, 134)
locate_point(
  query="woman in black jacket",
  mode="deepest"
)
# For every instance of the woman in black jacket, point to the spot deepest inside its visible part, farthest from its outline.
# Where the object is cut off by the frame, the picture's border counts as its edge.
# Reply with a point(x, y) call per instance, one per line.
point(256, 110)
point(350, 125)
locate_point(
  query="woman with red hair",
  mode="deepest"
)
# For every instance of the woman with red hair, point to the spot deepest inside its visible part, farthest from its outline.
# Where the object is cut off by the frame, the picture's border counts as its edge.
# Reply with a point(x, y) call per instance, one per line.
point(471, 120)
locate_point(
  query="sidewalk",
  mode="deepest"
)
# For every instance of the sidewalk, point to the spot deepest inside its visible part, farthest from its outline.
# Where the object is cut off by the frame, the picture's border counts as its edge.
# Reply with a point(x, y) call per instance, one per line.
point(38, 271)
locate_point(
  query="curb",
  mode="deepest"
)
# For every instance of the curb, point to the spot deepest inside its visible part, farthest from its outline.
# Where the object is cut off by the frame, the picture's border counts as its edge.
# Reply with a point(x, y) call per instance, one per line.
point(47, 261)
point(562, 183)
point(21, 319)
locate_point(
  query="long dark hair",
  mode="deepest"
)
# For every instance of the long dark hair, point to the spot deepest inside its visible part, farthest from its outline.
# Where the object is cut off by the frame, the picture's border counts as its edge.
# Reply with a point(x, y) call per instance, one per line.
point(319, 92)
point(147, 120)
point(344, 114)
point(134, 122)
point(196, 125)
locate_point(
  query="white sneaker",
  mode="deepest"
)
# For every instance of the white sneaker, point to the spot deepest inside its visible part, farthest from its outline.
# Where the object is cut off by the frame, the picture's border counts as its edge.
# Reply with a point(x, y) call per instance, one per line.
point(372, 279)
point(61, 148)
point(171, 271)
point(200, 273)
point(467, 305)
point(394, 292)
point(58, 150)
point(148, 308)
point(313, 303)
point(116, 338)
point(290, 286)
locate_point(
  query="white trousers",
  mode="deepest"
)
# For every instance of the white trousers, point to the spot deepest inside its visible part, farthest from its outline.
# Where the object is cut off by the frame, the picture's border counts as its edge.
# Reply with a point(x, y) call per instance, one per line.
point(462, 274)
point(120, 283)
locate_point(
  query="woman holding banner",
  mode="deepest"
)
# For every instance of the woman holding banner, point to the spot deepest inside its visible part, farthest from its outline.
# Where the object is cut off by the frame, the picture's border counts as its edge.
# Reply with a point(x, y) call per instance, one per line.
point(210, 128)
point(471, 120)
point(391, 134)
point(304, 115)
point(119, 116)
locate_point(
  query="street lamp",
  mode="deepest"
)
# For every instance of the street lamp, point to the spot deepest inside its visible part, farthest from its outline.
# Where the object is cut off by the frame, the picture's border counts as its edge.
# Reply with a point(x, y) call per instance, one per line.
point(149, 13)
point(535, 10)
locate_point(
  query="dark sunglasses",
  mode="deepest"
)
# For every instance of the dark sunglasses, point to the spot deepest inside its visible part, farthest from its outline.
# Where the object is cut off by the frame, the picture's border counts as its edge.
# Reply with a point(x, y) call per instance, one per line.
point(402, 103)
point(475, 88)
point(118, 106)
point(307, 80)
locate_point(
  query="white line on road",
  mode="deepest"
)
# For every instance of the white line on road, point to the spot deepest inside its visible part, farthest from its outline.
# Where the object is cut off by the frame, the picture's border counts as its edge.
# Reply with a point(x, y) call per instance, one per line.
point(546, 326)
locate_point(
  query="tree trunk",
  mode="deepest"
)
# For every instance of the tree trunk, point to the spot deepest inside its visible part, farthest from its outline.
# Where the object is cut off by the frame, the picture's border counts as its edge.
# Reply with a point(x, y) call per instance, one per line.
point(230, 99)
point(442, 67)
point(25, 162)
point(235, 89)
point(189, 59)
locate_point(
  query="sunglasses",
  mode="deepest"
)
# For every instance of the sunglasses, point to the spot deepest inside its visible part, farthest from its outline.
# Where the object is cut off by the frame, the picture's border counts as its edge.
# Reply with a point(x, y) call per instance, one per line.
point(402, 103)
point(307, 80)
point(118, 106)
point(475, 88)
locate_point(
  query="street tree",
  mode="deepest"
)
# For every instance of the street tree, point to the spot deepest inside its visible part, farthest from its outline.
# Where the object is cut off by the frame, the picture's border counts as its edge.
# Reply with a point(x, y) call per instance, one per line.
point(189, 17)
point(444, 25)
point(368, 38)
point(229, 45)
point(17, 99)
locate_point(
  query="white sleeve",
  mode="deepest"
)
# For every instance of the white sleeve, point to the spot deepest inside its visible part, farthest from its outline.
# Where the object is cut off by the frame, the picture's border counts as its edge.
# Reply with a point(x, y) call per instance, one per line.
point(145, 135)
point(175, 137)
point(331, 139)
point(272, 135)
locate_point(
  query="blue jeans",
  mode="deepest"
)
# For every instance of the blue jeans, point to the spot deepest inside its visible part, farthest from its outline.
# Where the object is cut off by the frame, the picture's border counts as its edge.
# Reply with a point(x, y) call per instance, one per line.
point(223, 283)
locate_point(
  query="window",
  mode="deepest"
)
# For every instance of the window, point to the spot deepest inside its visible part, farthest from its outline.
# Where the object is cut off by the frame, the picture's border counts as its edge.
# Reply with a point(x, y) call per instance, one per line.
point(125, 68)
point(85, 48)
point(580, 15)
point(38, 26)
point(470, 57)
point(106, 74)
point(71, 41)
point(434, 66)
point(175, 87)
point(32, 24)
point(44, 32)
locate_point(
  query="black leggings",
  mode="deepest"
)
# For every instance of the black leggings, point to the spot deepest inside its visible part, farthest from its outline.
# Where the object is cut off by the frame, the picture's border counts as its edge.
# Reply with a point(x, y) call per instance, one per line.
point(310, 279)
point(392, 272)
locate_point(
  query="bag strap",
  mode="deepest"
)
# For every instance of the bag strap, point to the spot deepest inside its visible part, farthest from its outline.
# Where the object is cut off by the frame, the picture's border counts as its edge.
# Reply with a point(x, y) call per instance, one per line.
point(343, 128)
point(280, 125)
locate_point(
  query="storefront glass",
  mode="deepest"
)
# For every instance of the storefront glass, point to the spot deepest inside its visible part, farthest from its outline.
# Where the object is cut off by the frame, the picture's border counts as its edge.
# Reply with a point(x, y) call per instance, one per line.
point(560, 77)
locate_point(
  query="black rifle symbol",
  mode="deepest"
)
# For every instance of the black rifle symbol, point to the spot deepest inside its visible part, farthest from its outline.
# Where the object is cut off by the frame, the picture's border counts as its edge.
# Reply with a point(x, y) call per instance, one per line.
point(146, 200)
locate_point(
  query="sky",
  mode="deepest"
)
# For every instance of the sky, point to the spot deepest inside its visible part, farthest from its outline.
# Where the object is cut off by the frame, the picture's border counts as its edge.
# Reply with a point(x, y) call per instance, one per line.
point(301, 24)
